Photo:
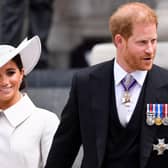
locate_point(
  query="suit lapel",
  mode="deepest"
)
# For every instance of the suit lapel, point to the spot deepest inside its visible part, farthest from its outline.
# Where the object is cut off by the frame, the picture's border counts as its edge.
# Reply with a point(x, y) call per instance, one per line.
point(153, 94)
point(148, 132)
point(101, 82)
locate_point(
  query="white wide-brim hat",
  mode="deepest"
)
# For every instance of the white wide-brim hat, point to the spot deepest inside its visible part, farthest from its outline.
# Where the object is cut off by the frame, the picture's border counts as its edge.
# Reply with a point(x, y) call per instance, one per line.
point(29, 50)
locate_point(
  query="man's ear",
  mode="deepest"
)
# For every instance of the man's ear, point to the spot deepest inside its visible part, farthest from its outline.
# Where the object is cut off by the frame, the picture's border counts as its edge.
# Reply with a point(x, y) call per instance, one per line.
point(118, 39)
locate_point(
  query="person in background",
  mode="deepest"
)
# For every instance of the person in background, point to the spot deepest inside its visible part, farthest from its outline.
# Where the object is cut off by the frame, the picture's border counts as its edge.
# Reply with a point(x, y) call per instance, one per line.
point(118, 110)
point(26, 131)
point(27, 17)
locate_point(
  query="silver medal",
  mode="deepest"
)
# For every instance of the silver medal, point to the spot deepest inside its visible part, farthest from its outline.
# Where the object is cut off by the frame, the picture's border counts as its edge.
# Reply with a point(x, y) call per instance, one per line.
point(165, 118)
point(150, 115)
point(165, 121)
point(150, 119)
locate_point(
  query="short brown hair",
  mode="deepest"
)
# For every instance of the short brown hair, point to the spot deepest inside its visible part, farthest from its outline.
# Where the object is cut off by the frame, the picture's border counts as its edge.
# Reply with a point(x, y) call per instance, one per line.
point(123, 19)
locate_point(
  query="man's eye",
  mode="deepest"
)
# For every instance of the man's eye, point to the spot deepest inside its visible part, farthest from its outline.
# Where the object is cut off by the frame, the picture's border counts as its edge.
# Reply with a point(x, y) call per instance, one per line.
point(153, 41)
point(143, 42)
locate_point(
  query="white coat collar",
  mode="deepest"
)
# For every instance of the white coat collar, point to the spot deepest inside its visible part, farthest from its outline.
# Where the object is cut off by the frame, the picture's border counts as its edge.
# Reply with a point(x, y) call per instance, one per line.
point(20, 111)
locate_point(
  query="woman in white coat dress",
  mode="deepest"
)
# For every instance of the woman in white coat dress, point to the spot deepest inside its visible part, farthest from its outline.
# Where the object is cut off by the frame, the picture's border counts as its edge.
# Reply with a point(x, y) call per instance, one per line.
point(26, 131)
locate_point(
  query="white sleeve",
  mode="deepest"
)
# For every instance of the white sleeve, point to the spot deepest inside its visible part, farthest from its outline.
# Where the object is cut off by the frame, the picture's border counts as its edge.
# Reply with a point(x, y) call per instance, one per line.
point(50, 127)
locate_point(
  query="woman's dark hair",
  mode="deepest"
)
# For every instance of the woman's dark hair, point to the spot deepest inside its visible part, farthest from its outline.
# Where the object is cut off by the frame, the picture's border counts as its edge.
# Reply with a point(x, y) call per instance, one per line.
point(18, 62)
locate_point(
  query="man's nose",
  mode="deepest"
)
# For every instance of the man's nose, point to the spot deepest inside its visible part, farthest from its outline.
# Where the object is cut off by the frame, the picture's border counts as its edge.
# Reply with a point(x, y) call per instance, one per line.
point(149, 48)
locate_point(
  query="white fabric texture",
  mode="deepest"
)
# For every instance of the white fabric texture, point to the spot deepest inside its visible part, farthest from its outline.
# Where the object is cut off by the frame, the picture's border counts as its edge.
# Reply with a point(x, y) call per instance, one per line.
point(26, 134)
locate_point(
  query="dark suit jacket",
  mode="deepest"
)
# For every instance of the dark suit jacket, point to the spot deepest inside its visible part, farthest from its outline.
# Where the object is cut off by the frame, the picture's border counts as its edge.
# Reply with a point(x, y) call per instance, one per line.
point(85, 117)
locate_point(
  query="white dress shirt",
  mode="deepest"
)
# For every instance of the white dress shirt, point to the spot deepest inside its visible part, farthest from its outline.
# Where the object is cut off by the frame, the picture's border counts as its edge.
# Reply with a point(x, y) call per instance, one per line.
point(125, 112)
point(26, 134)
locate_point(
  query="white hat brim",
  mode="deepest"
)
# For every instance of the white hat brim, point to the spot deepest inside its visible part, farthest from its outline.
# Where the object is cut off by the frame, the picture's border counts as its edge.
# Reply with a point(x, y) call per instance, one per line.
point(29, 50)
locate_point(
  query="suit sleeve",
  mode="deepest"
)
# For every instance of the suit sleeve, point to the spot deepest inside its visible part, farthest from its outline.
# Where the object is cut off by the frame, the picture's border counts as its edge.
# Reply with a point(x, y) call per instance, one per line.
point(67, 140)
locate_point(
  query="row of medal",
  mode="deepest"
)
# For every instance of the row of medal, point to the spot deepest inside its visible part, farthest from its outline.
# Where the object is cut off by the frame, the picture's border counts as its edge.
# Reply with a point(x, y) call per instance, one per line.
point(157, 114)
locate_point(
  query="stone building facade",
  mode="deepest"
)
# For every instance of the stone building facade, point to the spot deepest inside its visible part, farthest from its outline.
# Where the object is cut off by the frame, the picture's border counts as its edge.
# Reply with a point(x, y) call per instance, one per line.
point(77, 22)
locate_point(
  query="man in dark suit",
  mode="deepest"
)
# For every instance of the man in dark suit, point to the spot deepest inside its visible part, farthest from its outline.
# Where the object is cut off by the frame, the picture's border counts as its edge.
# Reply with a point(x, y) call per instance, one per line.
point(120, 121)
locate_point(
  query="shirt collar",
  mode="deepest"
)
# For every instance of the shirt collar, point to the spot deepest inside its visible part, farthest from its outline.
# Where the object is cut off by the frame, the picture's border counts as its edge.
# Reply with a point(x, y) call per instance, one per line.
point(120, 73)
point(17, 113)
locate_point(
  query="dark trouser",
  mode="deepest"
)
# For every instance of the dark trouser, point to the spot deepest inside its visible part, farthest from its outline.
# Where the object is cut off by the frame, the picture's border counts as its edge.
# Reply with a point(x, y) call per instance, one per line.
point(38, 16)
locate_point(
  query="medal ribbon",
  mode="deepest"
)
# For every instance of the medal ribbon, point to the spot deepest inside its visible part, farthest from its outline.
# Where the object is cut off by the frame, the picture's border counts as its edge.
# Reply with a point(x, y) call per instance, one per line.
point(165, 110)
point(150, 109)
point(159, 110)
point(128, 82)
point(150, 114)
point(154, 109)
